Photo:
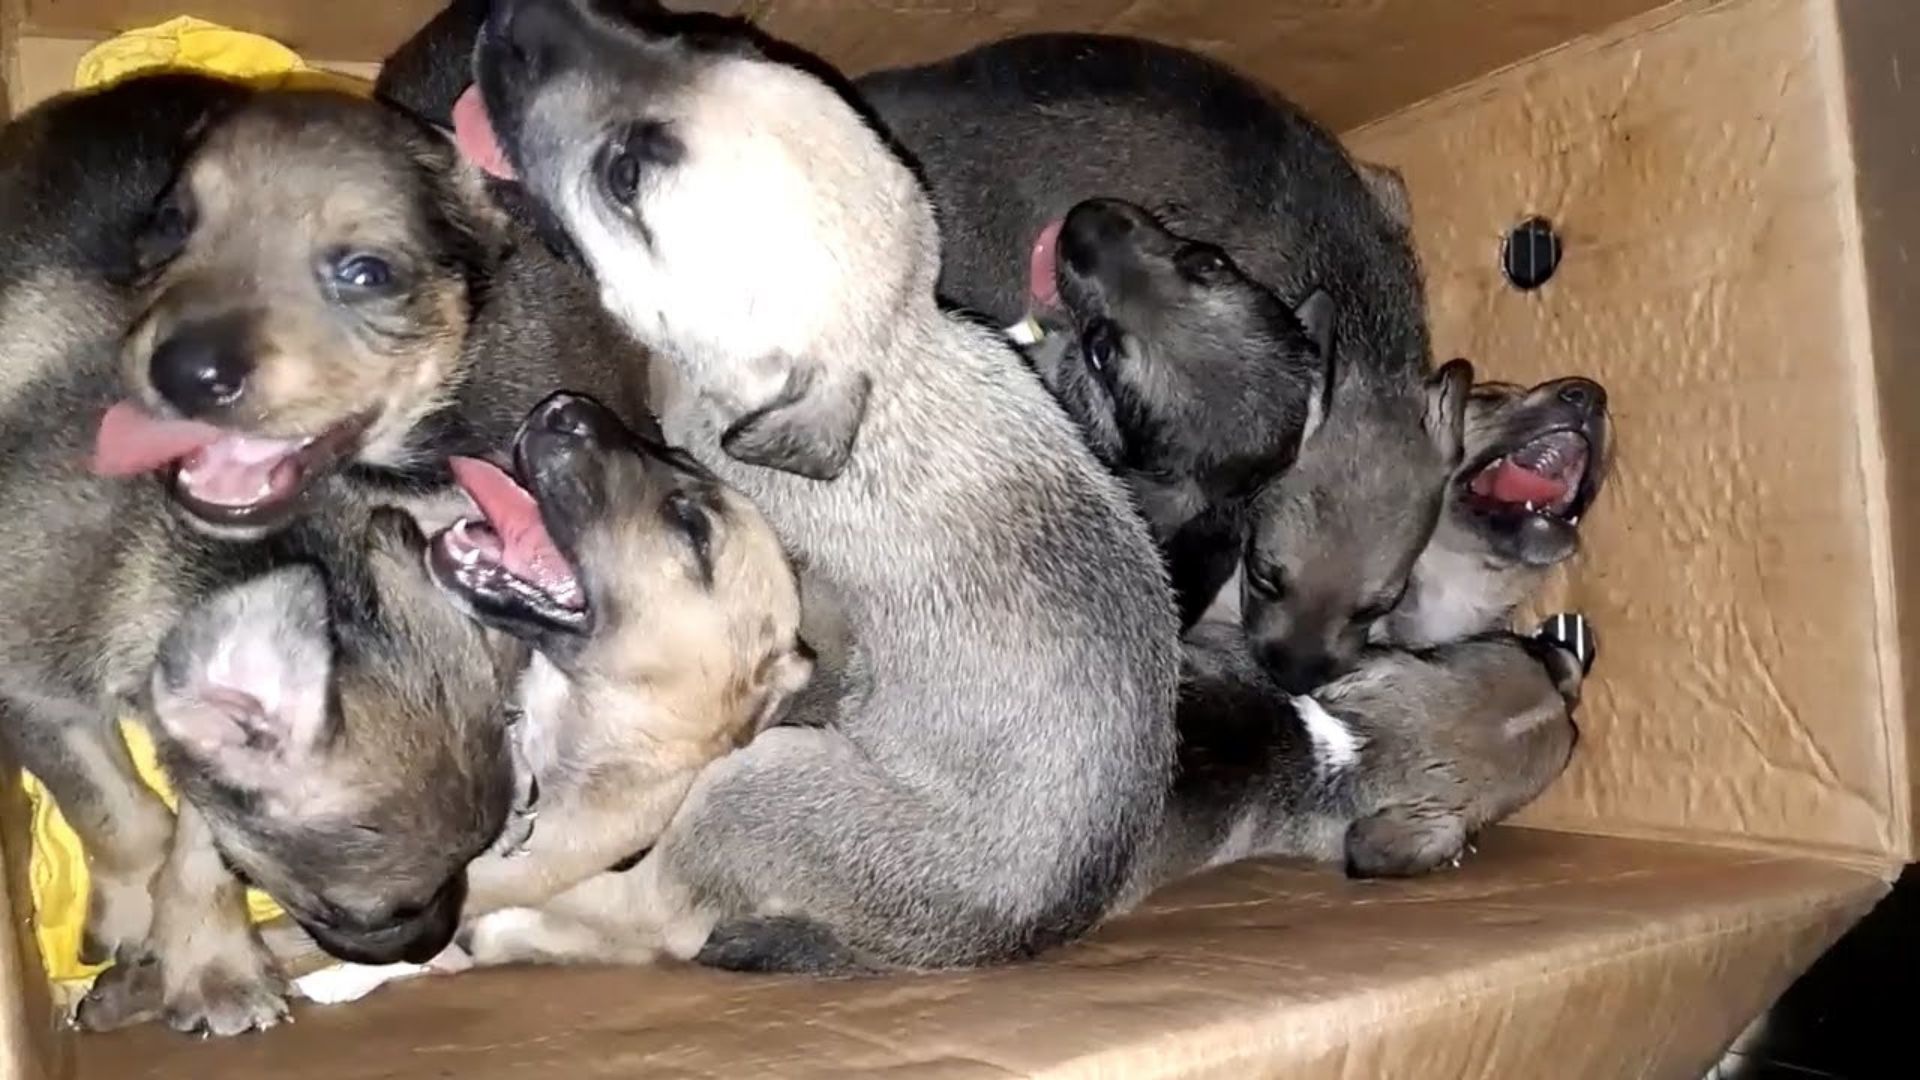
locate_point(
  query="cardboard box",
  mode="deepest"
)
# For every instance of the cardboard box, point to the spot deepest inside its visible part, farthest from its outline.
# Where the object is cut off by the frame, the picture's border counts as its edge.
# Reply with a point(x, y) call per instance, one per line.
point(1733, 180)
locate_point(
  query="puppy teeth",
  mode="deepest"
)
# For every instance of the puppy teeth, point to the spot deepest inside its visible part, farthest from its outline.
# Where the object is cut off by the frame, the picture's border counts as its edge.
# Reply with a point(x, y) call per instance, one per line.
point(1026, 332)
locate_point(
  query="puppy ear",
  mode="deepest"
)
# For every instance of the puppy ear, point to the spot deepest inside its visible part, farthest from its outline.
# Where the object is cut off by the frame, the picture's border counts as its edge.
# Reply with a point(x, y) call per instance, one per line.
point(242, 687)
point(1316, 317)
point(1447, 394)
point(808, 428)
point(476, 222)
point(1316, 314)
point(1389, 189)
point(782, 677)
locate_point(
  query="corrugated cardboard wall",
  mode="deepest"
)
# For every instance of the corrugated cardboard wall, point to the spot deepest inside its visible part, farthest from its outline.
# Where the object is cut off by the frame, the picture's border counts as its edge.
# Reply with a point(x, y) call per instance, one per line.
point(1698, 168)
point(1349, 60)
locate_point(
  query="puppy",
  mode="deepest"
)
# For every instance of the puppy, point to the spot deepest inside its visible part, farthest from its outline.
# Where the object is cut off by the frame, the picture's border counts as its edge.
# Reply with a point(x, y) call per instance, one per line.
point(1002, 747)
point(1390, 769)
point(1212, 154)
point(1536, 460)
point(331, 724)
point(330, 289)
point(1189, 378)
point(664, 621)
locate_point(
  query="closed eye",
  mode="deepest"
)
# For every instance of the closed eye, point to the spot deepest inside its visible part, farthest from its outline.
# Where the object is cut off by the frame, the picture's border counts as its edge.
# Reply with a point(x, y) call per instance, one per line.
point(691, 520)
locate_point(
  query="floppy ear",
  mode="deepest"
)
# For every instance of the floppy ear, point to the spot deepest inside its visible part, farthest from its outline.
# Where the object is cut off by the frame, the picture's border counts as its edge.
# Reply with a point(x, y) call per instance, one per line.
point(783, 676)
point(1447, 409)
point(478, 224)
point(1389, 189)
point(808, 428)
point(242, 685)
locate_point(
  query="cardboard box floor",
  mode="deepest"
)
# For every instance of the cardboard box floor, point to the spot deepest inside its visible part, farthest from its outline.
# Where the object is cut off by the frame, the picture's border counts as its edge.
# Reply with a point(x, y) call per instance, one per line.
point(1732, 179)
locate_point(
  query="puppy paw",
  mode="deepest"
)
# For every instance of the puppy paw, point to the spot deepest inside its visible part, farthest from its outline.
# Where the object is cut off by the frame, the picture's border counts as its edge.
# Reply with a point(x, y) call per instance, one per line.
point(119, 916)
point(125, 994)
point(1404, 841)
point(225, 999)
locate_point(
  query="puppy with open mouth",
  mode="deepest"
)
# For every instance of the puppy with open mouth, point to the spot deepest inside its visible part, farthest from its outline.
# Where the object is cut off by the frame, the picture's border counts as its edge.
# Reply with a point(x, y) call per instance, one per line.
point(1536, 459)
point(1190, 379)
point(664, 623)
point(982, 786)
point(328, 289)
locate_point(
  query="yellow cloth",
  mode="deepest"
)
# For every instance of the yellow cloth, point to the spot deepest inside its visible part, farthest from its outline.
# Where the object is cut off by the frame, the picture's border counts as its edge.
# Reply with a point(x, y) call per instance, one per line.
point(56, 865)
point(190, 44)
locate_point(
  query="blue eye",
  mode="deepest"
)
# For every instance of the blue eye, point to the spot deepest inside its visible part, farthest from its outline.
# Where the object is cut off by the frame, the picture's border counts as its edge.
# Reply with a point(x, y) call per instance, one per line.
point(363, 272)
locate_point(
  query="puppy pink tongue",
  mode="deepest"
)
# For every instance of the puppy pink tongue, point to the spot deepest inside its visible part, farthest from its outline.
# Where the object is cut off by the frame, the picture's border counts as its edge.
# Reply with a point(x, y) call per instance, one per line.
point(473, 133)
point(132, 441)
point(526, 551)
point(1513, 484)
point(1043, 283)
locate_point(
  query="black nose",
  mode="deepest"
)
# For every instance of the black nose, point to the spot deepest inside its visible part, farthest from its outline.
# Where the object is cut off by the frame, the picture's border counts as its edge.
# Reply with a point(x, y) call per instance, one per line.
point(415, 939)
point(203, 366)
point(538, 34)
point(1588, 397)
point(577, 417)
point(1297, 674)
point(1092, 228)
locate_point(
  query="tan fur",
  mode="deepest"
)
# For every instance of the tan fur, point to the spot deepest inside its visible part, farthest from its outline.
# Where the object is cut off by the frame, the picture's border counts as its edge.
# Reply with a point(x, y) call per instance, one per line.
point(677, 673)
point(315, 365)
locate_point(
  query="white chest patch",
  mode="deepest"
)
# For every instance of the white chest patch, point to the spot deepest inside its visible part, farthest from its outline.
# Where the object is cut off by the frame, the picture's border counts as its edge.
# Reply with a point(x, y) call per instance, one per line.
point(1335, 747)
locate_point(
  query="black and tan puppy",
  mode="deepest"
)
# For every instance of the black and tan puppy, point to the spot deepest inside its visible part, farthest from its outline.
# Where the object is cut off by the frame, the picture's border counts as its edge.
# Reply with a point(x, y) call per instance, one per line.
point(664, 621)
point(1190, 379)
point(329, 288)
point(1536, 460)
point(332, 724)
point(1390, 769)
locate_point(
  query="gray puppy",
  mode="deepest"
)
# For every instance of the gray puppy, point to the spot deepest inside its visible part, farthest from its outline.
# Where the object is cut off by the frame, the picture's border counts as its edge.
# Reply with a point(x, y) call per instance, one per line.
point(1390, 769)
point(1190, 379)
point(1536, 460)
point(331, 723)
point(1003, 745)
point(1211, 154)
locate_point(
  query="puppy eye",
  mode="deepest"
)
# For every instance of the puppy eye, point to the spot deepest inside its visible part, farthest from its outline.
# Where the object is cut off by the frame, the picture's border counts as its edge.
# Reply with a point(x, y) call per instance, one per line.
point(1101, 345)
point(622, 177)
point(1269, 582)
point(1201, 263)
point(649, 143)
point(691, 519)
point(166, 232)
point(366, 272)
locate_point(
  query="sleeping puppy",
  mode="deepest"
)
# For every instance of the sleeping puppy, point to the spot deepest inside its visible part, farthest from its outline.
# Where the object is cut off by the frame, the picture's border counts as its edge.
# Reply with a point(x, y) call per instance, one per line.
point(331, 723)
point(1191, 380)
point(1536, 461)
point(980, 790)
point(1390, 769)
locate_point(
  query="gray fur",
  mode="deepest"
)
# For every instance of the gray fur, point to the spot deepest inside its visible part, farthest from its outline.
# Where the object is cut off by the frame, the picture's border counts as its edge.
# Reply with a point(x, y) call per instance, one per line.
point(1485, 559)
point(1191, 380)
point(1212, 154)
point(1390, 769)
point(1003, 746)
point(411, 758)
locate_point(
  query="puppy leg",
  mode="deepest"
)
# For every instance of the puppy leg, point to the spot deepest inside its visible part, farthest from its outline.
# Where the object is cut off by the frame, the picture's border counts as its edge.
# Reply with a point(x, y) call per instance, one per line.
point(798, 840)
point(584, 834)
point(215, 977)
point(121, 823)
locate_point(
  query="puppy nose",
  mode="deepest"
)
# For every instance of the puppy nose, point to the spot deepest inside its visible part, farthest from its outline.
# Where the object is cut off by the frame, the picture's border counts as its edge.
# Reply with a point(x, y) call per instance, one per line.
point(202, 367)
point(1091, 228)
point(576, 417)
point(536, 32)
point(1586, 396)
point(1299, 674)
